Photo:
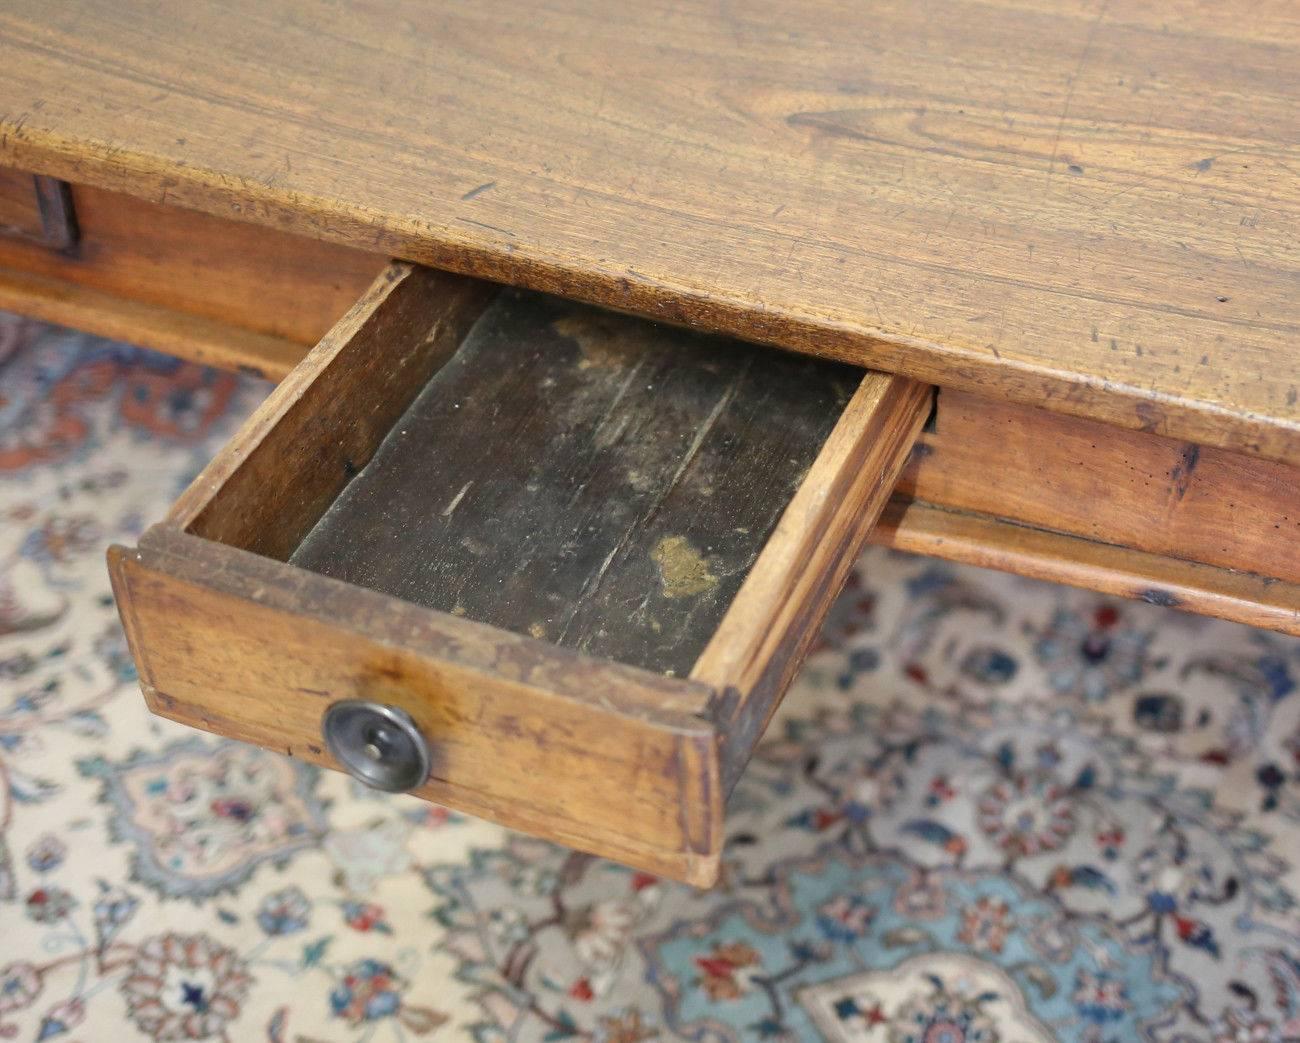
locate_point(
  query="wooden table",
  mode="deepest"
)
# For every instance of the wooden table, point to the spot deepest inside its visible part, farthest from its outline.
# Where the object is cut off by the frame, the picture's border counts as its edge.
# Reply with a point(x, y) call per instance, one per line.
point(1079, 221)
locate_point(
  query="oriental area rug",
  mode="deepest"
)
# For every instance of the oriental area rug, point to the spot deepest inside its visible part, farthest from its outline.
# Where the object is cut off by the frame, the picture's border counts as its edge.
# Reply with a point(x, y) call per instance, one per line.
point(990, 811)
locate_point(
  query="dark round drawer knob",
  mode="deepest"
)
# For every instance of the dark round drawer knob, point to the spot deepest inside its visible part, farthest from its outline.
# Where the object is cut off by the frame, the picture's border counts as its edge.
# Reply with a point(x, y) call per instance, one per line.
point(378, 745)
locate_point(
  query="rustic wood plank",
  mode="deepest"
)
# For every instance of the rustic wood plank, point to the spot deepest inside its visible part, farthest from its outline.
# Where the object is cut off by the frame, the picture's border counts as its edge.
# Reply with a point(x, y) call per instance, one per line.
point(142, 259)
point(990, 542)
point(755, 652)
point(270, 484)
point(193, 337)
point(1087, 206)
point(1135, 490)
point(587, 478)
point(255, 649)
point(20, 212)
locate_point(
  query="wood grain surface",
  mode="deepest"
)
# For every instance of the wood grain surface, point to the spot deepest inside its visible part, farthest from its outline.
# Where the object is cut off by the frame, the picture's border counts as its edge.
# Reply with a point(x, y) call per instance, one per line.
point(995, 543)
point(20, 212)
point(602, 757)
point(299, 449)
point(1152, 494)
point(37, 209)
point(589, 479)
point(758, 648)
point(1089, 205)
point(211, 342)
point(274, 294)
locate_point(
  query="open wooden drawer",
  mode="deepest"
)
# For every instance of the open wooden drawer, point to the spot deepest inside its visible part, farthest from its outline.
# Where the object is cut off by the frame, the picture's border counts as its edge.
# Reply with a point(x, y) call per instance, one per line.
point(577, 555)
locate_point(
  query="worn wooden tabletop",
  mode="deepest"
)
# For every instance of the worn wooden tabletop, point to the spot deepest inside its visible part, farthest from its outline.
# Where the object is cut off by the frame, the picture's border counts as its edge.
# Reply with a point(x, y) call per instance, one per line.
point(1092, 205)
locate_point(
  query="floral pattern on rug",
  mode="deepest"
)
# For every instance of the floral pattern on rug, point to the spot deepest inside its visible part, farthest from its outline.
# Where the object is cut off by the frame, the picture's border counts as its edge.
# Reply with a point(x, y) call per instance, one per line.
point(990, 810)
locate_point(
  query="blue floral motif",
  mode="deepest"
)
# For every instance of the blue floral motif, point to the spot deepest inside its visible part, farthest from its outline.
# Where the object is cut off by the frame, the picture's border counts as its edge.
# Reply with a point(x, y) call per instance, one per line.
point(368, 991)
point(803, 887)
point(845, 918)
point(113, 909)
point(1101, 998)
point(284, 912)
point(202, 817)
point(47, 853)
point(1092, 656)
point(989, 665)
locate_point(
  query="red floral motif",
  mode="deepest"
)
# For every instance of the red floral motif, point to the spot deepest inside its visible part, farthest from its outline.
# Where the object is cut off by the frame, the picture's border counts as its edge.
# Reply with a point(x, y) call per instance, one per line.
point(1099, 997)
point(601, 931)
point(49, 904)
point(62, 538)
point(55, 425)
point(175, 401)
point(628, 1027)
point(728, 971)
point(369, 990)
point(921, 897)
point(985, 925)
point(182, 403)
point(1027, 815)
point(941, 790)
point(366, 916)
point(846, 917)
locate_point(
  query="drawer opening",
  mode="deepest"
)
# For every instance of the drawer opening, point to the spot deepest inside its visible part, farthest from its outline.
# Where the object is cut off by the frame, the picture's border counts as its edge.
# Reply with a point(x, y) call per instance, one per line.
point(583, 552)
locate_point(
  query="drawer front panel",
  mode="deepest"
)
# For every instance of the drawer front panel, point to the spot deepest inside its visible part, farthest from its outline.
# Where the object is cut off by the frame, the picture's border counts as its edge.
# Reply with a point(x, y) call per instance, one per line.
point(578, 757)
point(220, 291)
point(1127, 488)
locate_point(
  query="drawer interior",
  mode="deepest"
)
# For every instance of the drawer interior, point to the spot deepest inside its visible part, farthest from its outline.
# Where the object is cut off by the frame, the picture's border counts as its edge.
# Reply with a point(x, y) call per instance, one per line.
point(584, 478)
point(585, 553)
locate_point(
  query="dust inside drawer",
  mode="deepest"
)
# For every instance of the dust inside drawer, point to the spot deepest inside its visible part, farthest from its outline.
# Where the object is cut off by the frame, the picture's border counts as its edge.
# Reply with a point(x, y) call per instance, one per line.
point(585, 478)
point(579, 554)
